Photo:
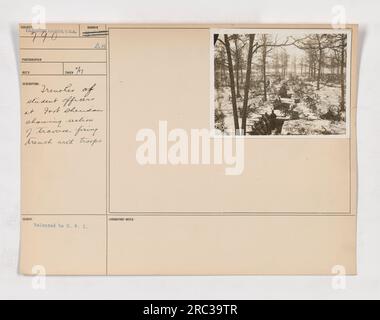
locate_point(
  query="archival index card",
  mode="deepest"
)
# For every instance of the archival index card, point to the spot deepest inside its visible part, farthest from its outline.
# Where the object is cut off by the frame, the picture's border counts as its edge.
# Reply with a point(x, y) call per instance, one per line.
point(188, 149)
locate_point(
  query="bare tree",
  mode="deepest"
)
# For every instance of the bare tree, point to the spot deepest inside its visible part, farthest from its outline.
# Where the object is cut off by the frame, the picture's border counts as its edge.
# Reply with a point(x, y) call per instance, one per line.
point(266, 47)
point(247, 82)
point(294, 65)
point(276, 63)
point(343, 45)
point(232, 82)
point(235, 38)
point(284, 58)
point(315, 44)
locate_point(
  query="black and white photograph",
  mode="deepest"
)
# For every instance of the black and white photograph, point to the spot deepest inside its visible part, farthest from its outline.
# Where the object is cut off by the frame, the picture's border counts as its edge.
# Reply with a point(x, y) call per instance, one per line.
point(281, 82)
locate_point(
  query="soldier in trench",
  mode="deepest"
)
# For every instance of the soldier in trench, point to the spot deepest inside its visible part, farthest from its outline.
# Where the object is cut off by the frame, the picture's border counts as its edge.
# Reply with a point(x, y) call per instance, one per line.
point(283, 92)
point(272, 120)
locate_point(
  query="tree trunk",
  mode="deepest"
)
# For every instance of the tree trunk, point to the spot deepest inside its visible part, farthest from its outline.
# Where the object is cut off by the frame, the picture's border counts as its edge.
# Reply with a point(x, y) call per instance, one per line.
point(319, 67)
point(232, 82)
point(310, 74)
point(264, 62)
point(247, 83)
point(237, 66)
point(342, 80)
point(265, 79)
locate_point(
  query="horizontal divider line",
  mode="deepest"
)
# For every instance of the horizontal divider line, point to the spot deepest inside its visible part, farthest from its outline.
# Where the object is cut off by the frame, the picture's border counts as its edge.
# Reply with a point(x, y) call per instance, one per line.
point(65, 37)
point(63, 61)
point(191, 215)
point(72, 49)
point(67, 75)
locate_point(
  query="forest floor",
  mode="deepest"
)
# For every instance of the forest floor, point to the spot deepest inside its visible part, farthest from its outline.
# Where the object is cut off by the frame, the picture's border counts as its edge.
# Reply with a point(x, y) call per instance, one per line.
point(316, 112)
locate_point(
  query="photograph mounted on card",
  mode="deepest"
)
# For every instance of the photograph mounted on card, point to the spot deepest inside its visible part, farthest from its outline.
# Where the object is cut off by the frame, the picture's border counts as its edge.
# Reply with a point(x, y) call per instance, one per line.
point(188, 149)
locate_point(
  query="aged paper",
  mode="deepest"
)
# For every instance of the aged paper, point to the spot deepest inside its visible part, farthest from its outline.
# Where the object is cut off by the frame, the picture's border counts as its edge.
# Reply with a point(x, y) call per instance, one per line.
point(188, 149)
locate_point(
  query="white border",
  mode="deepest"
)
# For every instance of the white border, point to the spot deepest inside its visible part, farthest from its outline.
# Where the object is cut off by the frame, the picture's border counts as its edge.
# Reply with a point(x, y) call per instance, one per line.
point(283, 31)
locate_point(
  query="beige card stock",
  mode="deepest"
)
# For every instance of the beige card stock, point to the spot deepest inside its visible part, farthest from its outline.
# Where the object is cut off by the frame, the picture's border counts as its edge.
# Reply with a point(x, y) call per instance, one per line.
point(188, 149)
